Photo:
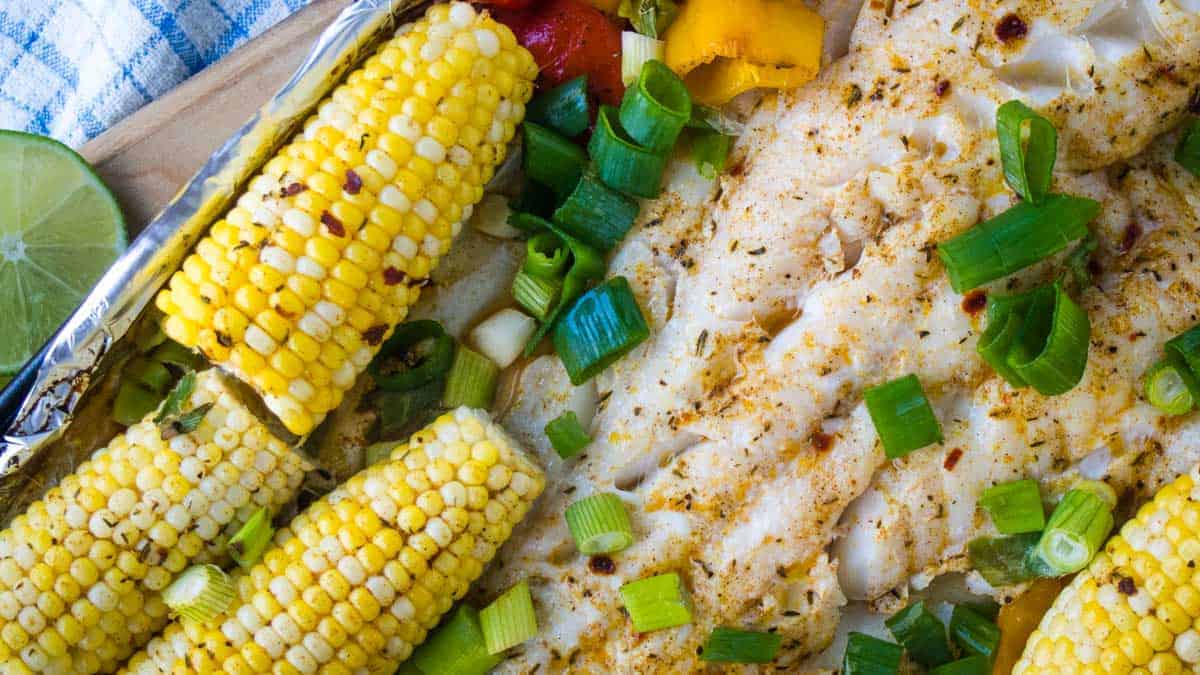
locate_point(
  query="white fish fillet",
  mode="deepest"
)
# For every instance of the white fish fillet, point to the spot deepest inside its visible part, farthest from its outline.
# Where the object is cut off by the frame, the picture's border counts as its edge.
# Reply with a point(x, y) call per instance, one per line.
point(737, 434)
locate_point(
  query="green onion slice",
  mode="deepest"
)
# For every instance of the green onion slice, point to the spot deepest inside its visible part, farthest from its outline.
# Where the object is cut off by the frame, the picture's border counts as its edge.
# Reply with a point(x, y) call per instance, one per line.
point(567, 435)
point(974, 633)
point(1099, 488)
point(201, 593)
point(1051, 350)
point(730, 645)
point(600, 524)
point(563, 109)
point(1187, 153)
point(1028, 146)
point(1170, 385)
point(1015, 239)
point(417, 353)
point(537, 295)
point(456, 646)
point(551, 159)
point(534, 198)
point(509, 620)
point(620, 162)
point(902, 416)
point(601, 327)
point(1015, 507)
point(706, 118)
point(246, 546)
point(472, 380)
point(1076, 530)
point(656, 108)
point(595, 214)
point(636, 50)
point(971, 665)
point(656, 602)
point(710, 151)
point(922, 634)
point(1187, 346)
point(868, 655)
point(1004, 561)
point(545, 255)
point(149, 373)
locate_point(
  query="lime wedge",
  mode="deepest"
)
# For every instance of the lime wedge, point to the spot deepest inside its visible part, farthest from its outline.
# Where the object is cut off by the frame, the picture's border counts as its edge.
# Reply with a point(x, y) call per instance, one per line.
point(60, 229)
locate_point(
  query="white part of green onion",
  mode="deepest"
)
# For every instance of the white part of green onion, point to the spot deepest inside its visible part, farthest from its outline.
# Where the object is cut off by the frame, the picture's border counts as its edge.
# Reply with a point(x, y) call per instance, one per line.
point(636, 50)
point(502, 336)
point(600, 524)
point(201, 593)
point(509, 620)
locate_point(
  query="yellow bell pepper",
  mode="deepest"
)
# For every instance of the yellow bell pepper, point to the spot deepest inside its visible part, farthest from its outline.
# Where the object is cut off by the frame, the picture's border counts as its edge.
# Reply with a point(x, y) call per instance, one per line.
point(725, 47)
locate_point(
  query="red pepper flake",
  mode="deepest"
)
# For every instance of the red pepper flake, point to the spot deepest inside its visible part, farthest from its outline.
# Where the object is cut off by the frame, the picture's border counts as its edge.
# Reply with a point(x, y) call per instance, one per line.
point(374, 334)
point(821, 442)
point(293, 189)
point(353, 183)
point(952, 459)
point(1133, 232)
point(1126, 586)
point(974, 302)
point(334, 225)
point(1011, 27)
point(602, 564)
point(393, 276)
point(942, 88)
point(1134, 337)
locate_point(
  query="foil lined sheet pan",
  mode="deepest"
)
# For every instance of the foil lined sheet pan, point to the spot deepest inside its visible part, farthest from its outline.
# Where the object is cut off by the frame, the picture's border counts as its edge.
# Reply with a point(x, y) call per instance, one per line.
point(39, 405)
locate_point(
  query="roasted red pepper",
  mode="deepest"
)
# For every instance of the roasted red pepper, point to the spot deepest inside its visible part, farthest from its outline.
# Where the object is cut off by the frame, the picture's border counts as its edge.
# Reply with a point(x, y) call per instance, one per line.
point(569, 38)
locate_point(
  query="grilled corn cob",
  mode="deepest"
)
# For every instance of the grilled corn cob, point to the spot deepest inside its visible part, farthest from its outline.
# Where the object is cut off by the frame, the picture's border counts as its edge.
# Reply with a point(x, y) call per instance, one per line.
point(1136, 608)
point(296, 287)
point(80, 570)
point(356, 581)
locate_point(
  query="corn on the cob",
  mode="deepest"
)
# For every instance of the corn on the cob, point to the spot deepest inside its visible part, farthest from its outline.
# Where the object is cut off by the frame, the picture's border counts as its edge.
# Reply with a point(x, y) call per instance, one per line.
point(1136, 608)
point(296, 287)
point(356, 581)
point(80, 570)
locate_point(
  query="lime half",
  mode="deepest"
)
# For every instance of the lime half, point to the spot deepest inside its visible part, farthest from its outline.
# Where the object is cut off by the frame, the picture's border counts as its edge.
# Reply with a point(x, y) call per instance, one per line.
point(60, 229)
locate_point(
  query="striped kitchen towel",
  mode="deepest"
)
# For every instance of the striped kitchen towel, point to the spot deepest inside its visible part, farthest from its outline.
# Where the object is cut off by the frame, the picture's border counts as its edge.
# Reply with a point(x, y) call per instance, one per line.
point(72, 68)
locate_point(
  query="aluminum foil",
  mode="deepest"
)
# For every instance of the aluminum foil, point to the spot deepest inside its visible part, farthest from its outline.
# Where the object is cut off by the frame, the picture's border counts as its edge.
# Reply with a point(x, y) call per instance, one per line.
point(47, 395)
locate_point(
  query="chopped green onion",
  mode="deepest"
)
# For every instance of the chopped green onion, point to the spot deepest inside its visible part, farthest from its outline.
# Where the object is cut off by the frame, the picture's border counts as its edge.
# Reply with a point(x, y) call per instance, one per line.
point(201, 593)
point(403, 412)
point(133, 402)
point(1028, 160)
point(1015, 239)
point(567, 435)
point(551, 159)
point(596, 214)
point(1099, 488)
point(456, 646)
point(1187, 346)
point(379, 452)
point(600, 524)
point(730, 645)
point(922, 634)
point(974, 633)
point(902, 416)
point(585, 266)
point(710, 151)
point(636, 50)
point(247, 545)
point(656, 108)
point(649, 17)
point(601, 327)
point(536, 199)
point(972, 665)
point(472, 380)
point(868, 655)
point(656, 602)
point(537, 295)
point(509, 620)
point(1004, 561)
point(1077, 260)
point(1076, 530)
point(622, 164)
point(1170, 385)
point(1015, 507)
point(417, 353)
point(563, 109)
point(1051, 350)
point(546, 255)
point(1006, 316)
point(1187, 152)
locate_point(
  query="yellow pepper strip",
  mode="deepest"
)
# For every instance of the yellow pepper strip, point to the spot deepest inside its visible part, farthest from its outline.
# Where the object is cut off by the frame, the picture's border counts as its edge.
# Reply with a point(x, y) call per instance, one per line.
point(1020, 617)
point(725, 47)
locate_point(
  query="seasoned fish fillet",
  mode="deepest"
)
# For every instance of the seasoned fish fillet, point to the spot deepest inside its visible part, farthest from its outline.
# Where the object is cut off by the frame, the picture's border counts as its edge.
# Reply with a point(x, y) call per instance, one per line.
point(737, 433)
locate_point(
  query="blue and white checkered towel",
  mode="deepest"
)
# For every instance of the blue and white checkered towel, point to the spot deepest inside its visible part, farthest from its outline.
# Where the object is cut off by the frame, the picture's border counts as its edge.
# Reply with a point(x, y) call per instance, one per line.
point(72, 68)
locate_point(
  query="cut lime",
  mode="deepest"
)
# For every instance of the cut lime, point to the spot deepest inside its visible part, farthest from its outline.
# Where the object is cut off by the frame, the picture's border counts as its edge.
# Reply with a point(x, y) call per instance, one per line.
point(60, 229)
